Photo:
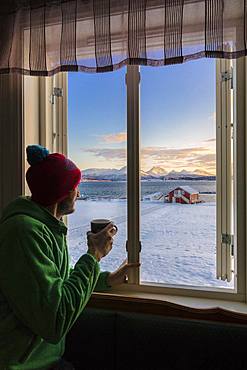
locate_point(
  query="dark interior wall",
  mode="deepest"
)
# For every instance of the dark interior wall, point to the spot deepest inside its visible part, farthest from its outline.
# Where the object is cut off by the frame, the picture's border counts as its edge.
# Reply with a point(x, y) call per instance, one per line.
point(11, 138)
point(109, 340)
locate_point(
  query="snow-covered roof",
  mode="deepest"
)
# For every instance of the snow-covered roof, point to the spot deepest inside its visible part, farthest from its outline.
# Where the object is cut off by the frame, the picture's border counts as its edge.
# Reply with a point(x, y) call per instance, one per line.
point(154, 196)
point(188, 189)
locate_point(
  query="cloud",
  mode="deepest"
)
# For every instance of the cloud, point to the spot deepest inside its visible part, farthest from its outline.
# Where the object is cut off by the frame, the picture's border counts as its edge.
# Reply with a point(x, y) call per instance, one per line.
point(173, 157)
point(174, 154)
point(213, 140)
point(208, 158)
point(188, 158)
point(119, 137)
point(108, 153)
point(206, 162)
point(200, 158)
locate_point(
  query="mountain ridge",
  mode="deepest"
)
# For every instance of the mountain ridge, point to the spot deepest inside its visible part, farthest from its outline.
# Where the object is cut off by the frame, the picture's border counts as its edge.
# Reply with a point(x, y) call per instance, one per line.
point(156, 172)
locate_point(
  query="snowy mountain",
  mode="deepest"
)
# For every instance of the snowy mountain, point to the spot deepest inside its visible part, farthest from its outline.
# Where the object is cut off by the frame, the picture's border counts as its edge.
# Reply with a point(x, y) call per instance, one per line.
point(186, 174)
point(123, 170)
point(104, 173)
point(157, 171)
point(114, 174)
point(99, 171)
point(202, 173)
point(182, 173)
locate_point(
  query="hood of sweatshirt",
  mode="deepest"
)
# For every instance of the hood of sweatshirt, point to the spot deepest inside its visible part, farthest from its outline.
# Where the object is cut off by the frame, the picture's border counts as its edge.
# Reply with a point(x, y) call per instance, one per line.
point(25, 206)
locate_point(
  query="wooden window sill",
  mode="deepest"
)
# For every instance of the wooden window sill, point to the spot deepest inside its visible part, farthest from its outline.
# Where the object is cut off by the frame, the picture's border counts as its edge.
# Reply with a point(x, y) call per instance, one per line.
point(173, 306)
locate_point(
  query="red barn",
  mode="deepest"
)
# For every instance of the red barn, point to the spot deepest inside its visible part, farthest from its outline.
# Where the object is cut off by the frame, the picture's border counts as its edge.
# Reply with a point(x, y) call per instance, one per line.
point(183, 195)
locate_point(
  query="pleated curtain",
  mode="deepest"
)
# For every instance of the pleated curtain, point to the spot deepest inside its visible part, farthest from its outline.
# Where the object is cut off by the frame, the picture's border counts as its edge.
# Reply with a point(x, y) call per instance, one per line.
point(45, 37)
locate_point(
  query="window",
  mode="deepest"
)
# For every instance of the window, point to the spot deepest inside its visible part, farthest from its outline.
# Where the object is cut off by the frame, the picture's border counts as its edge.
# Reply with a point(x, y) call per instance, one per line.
point(178, 139)
point(227, 250)
point(97, 143)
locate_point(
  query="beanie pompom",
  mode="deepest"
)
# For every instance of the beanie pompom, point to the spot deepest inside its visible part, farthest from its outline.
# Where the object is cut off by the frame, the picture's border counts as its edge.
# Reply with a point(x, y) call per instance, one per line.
point(36, 154)
point(50, 177)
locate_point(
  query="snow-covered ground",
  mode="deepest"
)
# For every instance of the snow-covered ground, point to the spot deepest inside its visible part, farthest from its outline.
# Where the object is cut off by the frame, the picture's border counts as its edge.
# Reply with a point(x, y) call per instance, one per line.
point(178, 241)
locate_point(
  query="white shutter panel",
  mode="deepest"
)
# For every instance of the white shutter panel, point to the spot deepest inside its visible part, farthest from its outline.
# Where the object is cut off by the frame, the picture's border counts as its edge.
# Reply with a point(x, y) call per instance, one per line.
point(53, 106)
point(45, 113)
point(59, 117)
point(224, 170)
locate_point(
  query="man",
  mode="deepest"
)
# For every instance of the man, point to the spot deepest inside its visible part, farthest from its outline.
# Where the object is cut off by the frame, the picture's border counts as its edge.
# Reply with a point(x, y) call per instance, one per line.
point(40, 295)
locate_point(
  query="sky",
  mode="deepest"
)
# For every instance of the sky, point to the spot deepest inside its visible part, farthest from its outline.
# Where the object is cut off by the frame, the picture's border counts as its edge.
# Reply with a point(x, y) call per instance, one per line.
point(177, 117)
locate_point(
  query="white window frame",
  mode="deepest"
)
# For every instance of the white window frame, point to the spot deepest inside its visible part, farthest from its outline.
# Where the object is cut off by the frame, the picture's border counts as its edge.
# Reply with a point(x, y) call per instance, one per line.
point(225, 181)
point(133, 244)
point(239, 292)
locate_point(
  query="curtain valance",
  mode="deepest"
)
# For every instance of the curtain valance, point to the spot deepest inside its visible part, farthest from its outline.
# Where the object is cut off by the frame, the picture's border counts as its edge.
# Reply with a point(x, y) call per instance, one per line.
point(45, 37)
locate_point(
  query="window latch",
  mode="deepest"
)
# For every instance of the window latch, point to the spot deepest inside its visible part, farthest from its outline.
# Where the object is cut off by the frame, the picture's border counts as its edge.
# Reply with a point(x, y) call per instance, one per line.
point(228, 239)
point(57, 92)
point(226, 76)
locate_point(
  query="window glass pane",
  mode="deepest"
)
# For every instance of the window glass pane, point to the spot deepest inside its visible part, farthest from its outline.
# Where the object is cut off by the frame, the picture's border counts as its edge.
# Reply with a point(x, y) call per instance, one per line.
point(97, 144)
point(178, 163)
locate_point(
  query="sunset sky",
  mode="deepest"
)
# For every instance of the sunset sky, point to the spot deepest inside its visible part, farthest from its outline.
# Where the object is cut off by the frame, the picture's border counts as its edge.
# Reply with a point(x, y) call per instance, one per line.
point(177, 117)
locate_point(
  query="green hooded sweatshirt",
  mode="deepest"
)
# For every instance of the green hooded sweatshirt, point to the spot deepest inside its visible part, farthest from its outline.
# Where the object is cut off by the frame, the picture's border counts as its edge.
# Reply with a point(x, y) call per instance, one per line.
point(40, 295)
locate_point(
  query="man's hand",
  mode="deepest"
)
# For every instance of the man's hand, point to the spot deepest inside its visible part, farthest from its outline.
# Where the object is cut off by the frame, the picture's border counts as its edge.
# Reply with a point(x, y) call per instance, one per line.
point(100, 244)
point(120, 276)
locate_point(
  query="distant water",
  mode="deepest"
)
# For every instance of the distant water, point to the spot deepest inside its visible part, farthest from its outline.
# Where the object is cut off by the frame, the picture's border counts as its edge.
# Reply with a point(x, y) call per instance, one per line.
point(118, 189)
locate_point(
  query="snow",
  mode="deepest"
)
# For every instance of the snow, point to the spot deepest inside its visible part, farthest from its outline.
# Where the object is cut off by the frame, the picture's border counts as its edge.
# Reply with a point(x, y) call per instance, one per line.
point(178, 241)
point(155, 196)
point(189, 189)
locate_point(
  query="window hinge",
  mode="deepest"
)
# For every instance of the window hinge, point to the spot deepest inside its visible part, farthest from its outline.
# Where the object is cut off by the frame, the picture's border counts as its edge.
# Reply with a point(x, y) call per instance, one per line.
point(227, 75)
point(57, 92)
point(139, 77)
point(127, 243)
point(228, 239)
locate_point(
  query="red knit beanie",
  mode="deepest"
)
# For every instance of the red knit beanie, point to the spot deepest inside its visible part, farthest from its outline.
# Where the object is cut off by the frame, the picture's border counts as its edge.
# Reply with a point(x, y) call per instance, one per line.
point(50, 177)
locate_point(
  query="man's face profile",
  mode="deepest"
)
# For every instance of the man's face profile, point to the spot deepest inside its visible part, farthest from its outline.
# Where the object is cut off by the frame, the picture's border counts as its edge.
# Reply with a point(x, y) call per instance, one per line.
point(67, 206)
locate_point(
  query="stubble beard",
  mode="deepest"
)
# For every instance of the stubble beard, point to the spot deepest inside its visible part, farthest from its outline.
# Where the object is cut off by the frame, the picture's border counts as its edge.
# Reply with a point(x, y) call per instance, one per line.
point(66, 207)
